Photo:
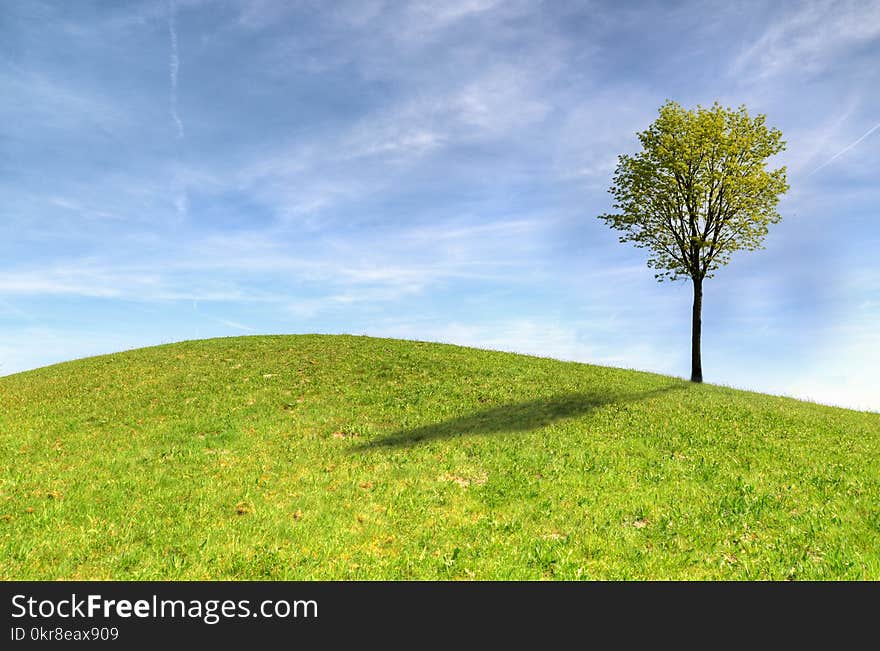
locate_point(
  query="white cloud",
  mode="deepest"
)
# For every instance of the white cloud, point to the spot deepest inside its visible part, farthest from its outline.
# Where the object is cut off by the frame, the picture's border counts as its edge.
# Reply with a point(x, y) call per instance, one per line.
point(92, 279)
point(376, 266)
point(442, 13)
point(809, 39)
point(592, 134)
point(57, 104)
point(502, 99)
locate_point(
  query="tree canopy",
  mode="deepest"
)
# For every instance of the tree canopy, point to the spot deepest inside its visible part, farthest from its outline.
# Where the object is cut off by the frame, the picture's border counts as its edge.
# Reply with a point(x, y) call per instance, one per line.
point(699, 189)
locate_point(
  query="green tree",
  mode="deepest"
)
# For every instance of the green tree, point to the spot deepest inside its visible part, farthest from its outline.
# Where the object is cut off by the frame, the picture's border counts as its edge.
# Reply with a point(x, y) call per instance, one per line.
point(698, 190)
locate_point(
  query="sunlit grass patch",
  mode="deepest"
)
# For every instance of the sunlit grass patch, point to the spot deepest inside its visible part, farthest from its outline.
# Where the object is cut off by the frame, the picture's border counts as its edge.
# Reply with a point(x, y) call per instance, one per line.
point(308, 457)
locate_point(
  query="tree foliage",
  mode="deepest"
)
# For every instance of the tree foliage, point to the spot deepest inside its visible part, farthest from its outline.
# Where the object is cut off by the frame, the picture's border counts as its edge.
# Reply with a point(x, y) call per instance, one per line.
point(699, 189)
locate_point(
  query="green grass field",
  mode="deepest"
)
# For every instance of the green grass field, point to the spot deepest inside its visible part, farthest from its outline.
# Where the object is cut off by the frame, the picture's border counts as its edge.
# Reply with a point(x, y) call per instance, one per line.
point(338, 457)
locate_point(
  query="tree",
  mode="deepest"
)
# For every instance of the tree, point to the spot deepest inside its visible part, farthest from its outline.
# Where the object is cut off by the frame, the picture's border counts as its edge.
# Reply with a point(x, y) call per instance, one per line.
point(698, 191)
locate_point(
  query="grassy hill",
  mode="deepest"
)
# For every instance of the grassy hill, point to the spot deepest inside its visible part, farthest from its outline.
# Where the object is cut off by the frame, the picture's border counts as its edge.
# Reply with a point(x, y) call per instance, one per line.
point(315, 457)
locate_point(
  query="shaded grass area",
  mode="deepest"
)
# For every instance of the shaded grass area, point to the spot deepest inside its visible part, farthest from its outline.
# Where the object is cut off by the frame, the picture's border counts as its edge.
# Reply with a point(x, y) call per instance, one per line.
point(308, 457)
point(514, 417)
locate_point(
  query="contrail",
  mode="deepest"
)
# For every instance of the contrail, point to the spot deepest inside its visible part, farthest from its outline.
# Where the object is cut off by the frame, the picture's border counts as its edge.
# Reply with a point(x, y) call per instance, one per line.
point(845, 149)
point(235, 325)
point(174, 66)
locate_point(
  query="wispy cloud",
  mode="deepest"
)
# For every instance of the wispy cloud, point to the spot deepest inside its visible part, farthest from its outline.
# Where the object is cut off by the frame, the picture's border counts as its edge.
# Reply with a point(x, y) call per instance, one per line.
point(808, 39)
point(174, 66)
point(437, 14)
point(7, 308)
point(51, 102)
point(105, 280)
point(845, 149)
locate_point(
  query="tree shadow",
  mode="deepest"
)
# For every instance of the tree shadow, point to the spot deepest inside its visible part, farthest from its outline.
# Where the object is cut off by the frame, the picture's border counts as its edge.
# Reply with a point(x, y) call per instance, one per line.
point(513, 417)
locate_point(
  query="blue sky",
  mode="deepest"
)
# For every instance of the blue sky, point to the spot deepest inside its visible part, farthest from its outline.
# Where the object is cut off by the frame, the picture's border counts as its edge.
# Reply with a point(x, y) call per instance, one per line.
point(427, 170)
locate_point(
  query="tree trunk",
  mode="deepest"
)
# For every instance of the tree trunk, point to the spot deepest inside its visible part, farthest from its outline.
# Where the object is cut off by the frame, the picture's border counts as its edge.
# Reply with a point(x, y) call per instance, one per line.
point(696, 329)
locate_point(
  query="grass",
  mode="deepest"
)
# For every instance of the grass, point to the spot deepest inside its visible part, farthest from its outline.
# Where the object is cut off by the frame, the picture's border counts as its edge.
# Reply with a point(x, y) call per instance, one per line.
point(337, 457)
